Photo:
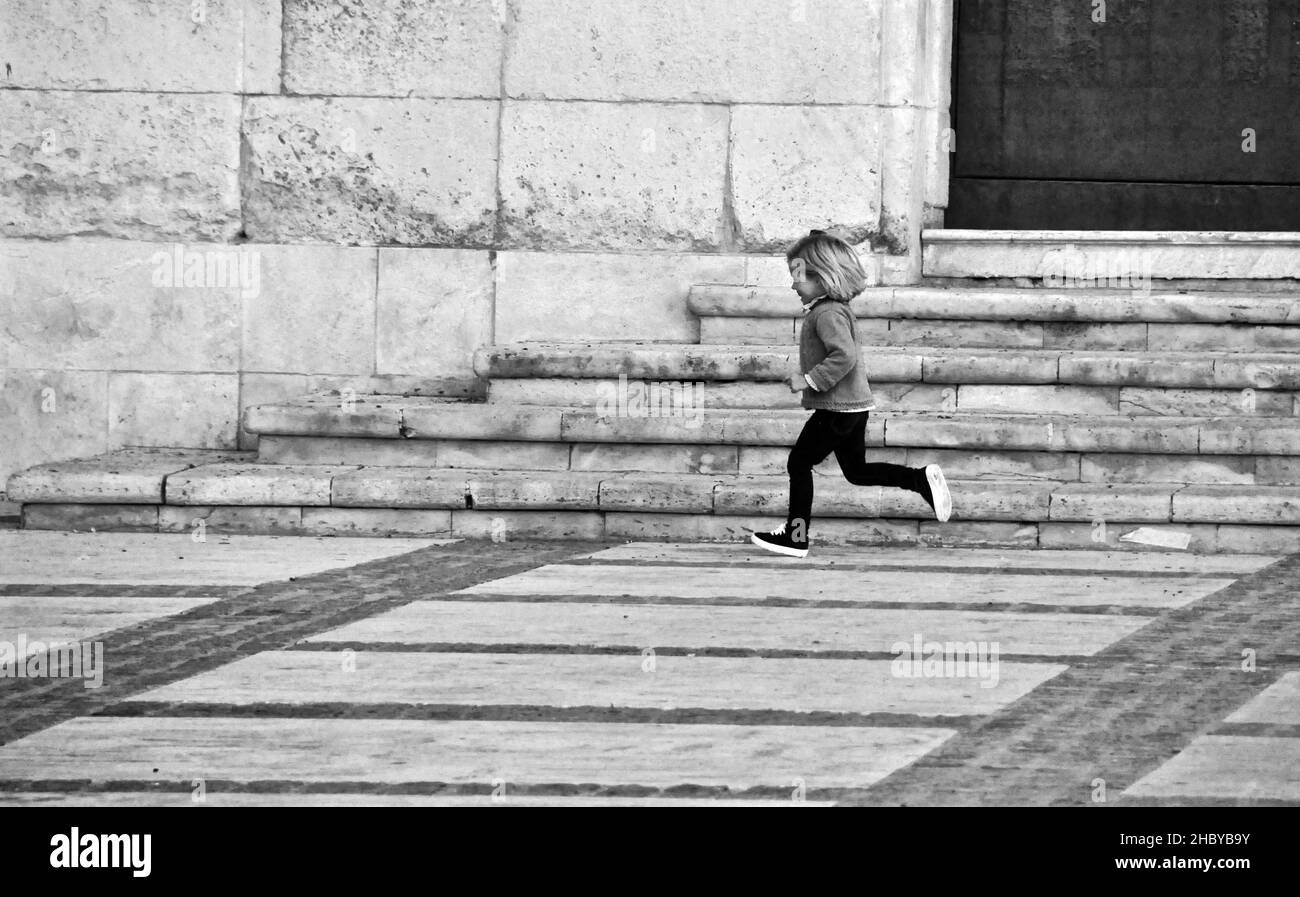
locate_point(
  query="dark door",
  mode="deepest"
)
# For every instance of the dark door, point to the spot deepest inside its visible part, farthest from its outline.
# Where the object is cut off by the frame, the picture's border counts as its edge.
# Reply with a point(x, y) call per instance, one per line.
point(1144, 121)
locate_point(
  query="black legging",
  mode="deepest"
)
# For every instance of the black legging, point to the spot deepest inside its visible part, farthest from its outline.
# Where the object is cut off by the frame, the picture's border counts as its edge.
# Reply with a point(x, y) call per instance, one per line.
point(845, 434)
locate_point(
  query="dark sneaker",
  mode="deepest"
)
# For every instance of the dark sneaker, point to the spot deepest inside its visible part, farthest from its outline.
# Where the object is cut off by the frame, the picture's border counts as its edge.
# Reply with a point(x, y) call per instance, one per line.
point(780, 542)
point(934, 489)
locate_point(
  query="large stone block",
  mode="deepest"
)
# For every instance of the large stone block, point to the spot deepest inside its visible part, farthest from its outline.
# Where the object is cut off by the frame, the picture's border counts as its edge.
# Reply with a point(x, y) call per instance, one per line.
point(509, 526)
point(1100, 501)
point(532, 490)
point(216, 520)
point(345, 451)
point(224, 46)
point(613, 176)
point(487, 454)
point(963, 334)
point(435, 48)
point(1263, 437)
point(790, 162)
point(1206, 402)
point(1121, 468)
point(400, 487)
point(50, 416)
point(1093, 335)
point(111, 304)
point(1109, 535)
point(669, 493)
point(131, 476)
point(995, 465)
point(990, 366)
point(621, 295)
point(76, 517)
point(1284, 470)
point(977, 534)
point(760, 51)
point(136, 165)
point(263, 389)
point(315, 313)
point(1237, 504)
point(1035, 399)
point(374, 522)
point(349, 170)
point(680, 459)
point(253, 484)
point(181, 410)
point(434, 310)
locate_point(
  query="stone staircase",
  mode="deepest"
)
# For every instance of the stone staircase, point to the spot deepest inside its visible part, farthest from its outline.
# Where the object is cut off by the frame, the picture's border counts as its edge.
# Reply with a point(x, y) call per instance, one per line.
point(1071, 418)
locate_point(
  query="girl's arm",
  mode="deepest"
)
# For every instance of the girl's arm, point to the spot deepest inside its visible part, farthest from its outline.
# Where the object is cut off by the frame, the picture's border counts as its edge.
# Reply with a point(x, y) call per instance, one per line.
point(841, 350)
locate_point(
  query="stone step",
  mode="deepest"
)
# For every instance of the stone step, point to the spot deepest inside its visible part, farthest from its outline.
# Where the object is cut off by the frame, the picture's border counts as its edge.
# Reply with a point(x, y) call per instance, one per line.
point(979, 397)
point(226, 484)
point(1095, 256)
point(395, 418)
point(1276, 315)
point(624, 526)
point(988, 464)
point(679, 363)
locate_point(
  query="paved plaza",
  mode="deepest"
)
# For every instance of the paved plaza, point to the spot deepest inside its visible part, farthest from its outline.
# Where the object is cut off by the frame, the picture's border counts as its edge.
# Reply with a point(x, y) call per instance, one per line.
point(262, 670)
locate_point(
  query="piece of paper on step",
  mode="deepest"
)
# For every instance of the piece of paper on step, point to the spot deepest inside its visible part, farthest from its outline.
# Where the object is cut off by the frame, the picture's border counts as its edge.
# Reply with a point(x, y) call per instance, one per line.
point(1145, 535)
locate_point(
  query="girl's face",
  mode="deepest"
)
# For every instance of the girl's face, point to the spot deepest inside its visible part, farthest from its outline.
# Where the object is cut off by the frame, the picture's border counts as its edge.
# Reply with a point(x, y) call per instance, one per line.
point(805, 282)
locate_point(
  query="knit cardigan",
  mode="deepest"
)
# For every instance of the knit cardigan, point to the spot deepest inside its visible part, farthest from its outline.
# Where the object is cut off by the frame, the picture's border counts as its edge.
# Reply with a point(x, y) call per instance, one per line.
point(830, 357)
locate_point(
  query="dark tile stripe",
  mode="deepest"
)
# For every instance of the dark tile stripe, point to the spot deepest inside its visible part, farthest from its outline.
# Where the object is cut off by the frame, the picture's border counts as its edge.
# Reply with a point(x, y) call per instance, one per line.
point(936, 569)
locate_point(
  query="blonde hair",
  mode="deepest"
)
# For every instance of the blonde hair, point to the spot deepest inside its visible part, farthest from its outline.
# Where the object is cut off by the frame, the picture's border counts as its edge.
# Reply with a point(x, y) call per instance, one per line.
point(833, 260)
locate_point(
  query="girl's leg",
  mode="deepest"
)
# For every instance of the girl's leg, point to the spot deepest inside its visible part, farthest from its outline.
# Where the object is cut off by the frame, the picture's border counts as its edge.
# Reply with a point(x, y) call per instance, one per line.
point(818, 439)
point(851, 453)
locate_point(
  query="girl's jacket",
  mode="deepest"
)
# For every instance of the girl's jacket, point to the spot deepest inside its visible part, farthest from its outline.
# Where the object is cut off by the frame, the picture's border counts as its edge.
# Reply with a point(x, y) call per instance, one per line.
point(830, 357)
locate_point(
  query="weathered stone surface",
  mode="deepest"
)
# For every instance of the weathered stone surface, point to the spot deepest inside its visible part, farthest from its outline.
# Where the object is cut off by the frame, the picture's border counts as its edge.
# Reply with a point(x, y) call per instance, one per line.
point(374, 522)
point(316, 311)
point(621, 295)
point(642, 492)
point(769, 495)
point(504, 526)
point(253, 484)
point(400, 487)
point(345, 451)
point(1163, 255)
point(533, 490)
point(642, 360)
point(187, 410)
point(612, 176)
point(1258, 372)
point(1190, 337)
point(1123, 468)
point(1099, 501)
point(251, 520)
point(765, 51)
point(977, 533)
point(1248, 437)
point(1136, 435)
point(143, 45)
point(681, 459)
point(486, 454)
point(1277, 470)
point(129, 476)
point(51, 415)
point(963, 334)
point(347, 170)
point(438, 48)
point(135, 165)
point(912, 396)
point(79, 517)
point(96, 304)
point(930, 431)
point(434, 310)
point(1277, 339)
point(1239, 504)
point(1206, 402)
point(474, 421)
point(994, 465)
point(329, 416)
point(786, 160)
point(1086, 335)
point(264, 389)
point(1239, 539)
point(1036, 399)
point(1106, 535)
point(749, 331)
point(990, 366)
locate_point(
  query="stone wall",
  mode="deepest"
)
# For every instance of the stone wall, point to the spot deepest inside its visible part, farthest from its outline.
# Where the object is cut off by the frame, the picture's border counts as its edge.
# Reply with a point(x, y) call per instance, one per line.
point(399, 182)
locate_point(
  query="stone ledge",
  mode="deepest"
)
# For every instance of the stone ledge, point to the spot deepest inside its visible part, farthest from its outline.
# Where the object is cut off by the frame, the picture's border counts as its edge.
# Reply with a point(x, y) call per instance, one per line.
point(1075, 305)
point(129, 476)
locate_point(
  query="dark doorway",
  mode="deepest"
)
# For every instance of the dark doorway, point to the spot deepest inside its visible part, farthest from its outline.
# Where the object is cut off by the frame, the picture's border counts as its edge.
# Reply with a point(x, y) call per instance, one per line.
point(1137, 122)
